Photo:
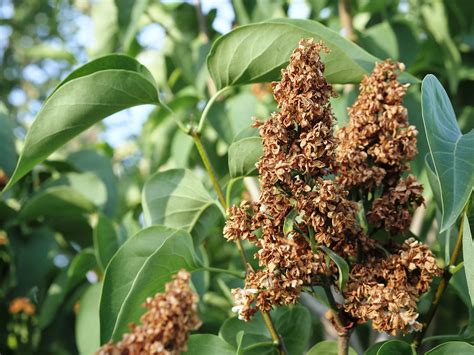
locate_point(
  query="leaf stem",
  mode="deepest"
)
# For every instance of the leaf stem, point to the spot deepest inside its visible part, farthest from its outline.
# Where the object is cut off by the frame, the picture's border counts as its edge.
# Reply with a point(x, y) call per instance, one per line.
point(443, 283)
point(215, 183)
point(206, 110)
point(343, 334)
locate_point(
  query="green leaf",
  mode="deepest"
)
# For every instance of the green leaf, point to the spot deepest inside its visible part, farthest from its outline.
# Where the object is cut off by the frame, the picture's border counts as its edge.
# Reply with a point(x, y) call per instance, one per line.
point(138, 270)
point(205, 344)
point(87, 184)
point(65, 282)
point(381, 41)
point(97, 163)
point(129, 14)
point(341, 266)
point(327, 347)
point(177, 199)
point(257, 52)
point(372, 350)
point(87, 321)
point(57, 201)
point(293, 325)
point(243, 155)
point(104, 21)
point(395, 347)
point(468, 257)
point(88, 95)
point(451, 151)
point(451, 348)
point(106, 239)
point(8, 154)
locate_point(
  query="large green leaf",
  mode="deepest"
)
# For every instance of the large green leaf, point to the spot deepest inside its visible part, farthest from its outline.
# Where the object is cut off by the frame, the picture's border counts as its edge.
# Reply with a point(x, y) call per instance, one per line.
point(129, 14)
point(88, 95)
point(257, 52)
point(468, 257)
point(327, 347)
point(87, 321)
point(292, 324)
point(65, 282)
point(106, 239)
point(56, 201)
point(95, 162)
point(451, 151)
point(176, 198)
point(138, 270)
point(205, 344)
point(451, 348)
point(395, 347)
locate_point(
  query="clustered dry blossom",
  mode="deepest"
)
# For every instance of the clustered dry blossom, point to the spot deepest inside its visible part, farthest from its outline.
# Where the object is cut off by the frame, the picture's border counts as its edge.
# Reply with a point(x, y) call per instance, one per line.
point(166, 324)
point(375, 148)
point(306, 173)
point(298, 156)
point(385, 289)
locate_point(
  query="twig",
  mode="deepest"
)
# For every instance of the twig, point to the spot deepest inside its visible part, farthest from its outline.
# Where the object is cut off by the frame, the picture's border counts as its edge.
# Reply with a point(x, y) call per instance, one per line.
point(344, 7)
point(443, 283)
point(343, 333)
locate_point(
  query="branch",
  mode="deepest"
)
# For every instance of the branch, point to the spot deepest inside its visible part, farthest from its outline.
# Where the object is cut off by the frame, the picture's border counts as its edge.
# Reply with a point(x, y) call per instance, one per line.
point(344, 7)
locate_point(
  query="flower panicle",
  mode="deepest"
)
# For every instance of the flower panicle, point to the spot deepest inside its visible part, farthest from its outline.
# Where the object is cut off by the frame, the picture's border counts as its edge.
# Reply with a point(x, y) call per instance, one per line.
point(166, 324)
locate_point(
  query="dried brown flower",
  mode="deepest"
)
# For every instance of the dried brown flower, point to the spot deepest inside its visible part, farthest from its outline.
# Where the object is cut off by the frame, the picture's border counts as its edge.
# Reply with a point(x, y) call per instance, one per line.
point(377, 142)
point(394, 209)
point(22, 305)
point(165, 326)
point(375, 148)
point(385, 289)
point(298, 153)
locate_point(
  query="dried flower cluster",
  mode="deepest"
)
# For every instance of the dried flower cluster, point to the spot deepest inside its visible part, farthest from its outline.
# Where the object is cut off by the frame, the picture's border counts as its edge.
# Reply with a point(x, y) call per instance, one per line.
point(165, 326)
point(298, 153)
point(385, 289)
point(22, 305)
point(305, 175)
point(375, 148)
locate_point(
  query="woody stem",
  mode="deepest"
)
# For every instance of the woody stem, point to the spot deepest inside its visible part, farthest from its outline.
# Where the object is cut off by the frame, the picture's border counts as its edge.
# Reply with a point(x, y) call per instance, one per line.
point(443, 283)
point(215, 183)
point(343, 334)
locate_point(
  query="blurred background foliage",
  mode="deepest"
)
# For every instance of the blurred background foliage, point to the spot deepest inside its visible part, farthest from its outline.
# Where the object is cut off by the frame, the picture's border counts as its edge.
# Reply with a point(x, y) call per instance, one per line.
point(91, 189)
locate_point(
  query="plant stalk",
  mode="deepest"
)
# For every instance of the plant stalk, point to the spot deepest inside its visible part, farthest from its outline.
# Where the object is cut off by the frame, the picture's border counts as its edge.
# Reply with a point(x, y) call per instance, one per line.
point(443, 283)
point(277, 340)
point(343, 334)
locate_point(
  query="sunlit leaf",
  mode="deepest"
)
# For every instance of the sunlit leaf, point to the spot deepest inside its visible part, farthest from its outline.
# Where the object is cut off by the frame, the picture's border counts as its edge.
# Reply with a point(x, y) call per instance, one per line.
point(256, 53)
point(88, 95)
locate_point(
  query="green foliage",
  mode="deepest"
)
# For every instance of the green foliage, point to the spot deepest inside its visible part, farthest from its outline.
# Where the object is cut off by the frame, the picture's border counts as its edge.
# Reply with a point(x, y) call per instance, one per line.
point(177, 199)
point(239, 58)
point(88, 95)
point(156, 250)
point(452, 347)
point(342, 267)
point(94, 229)
point(451, 151)
point(328, 347)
